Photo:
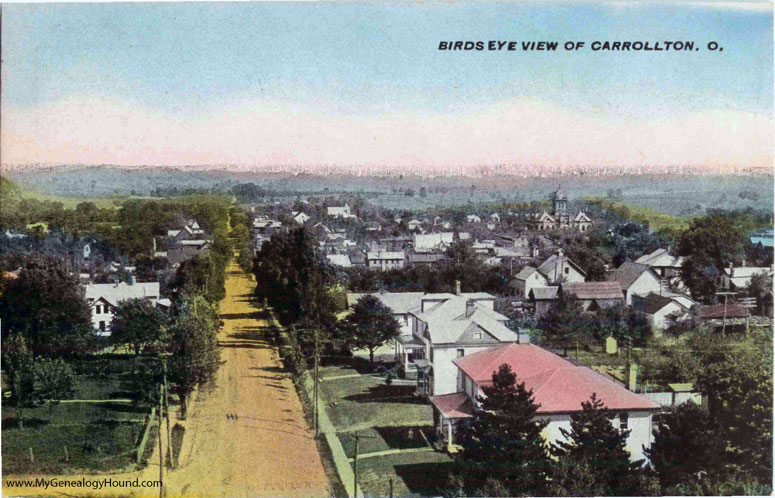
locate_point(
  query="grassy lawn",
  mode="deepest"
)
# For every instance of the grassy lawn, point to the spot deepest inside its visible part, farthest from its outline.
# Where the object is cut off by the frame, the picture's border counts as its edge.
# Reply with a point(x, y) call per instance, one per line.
point(386, 438)
point(413, 474)
point(96, 446)
point(99, 437)
point(364, 401)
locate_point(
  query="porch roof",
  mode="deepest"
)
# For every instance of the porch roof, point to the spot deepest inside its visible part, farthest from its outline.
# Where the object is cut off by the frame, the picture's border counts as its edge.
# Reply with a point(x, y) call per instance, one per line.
point(454, 405)
point(410, 341)
point(422, 363)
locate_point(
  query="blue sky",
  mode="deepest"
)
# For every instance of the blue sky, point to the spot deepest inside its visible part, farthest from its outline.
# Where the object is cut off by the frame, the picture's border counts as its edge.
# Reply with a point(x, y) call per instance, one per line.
point(378, 60)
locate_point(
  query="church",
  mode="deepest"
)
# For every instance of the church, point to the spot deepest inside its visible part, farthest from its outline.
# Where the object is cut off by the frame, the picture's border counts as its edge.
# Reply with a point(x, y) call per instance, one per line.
point(560, 218)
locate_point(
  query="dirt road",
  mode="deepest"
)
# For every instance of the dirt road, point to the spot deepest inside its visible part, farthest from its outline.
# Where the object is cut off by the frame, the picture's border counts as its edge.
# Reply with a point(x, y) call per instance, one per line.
point(244, 437)
point(248, 435)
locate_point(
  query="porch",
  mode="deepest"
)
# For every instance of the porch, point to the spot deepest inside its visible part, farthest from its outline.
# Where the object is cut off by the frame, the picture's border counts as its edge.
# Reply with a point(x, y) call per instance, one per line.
point(409, 349)
point(450, 412)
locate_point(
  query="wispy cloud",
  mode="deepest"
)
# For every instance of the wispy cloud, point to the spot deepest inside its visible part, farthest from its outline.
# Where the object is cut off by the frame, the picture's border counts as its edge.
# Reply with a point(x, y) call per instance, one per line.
point(90, 130)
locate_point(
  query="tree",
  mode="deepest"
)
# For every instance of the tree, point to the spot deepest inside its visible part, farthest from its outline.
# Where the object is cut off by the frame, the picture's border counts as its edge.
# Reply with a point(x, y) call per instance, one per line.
point(624, 323)
point(595, 442)
point(564, 323)
point(503, 441)
point(195, 354)
point(371, 324)
point(709, 245)
point(685, 444)
point(54, 381)
point(46, 305)
point(139, 323)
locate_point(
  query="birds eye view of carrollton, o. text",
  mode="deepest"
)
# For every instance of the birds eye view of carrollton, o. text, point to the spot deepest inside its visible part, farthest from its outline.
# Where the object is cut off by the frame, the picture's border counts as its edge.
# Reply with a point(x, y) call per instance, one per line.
point(378, 249)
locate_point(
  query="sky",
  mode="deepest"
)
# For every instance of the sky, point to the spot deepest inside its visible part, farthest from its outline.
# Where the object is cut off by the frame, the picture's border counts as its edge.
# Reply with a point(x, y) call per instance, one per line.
point(364, 84)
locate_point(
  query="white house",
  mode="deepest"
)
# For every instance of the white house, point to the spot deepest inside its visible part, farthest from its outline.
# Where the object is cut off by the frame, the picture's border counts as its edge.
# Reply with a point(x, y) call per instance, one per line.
point(445, 327)
point(664, 264)
point(342, 260)
point(103, 299)
point(740, 278)
point(399, 303)
point(340, 212)
point(658, 308)
point(558, 386)
point(300, 217)
point(472, 218)
point(431, 242)
point(384, 260)
point(559, 268)
point(636, 279)
point(527, 279)
point(414, 224)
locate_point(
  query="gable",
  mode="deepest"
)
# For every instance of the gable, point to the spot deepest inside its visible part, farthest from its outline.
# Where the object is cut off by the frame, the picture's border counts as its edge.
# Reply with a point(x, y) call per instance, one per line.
point(476, 334)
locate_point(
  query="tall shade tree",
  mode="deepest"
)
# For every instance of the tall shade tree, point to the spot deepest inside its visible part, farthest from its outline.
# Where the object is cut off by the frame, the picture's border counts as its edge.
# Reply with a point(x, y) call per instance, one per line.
point(46, 305)
point(594, 441)
point(503, 441)
point(371, 324)
point(195, 356)
point(139, 323)
point(564, 323)
point(709, 245)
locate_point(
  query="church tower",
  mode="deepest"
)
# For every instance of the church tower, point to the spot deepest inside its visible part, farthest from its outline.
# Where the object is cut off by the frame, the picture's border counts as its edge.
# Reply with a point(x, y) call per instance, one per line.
point(559, 201)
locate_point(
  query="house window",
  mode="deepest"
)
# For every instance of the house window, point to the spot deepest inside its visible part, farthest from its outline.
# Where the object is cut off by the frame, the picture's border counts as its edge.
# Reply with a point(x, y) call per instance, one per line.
point(461, 353)
point(624, 421)
point(102, 326)
point(567, 270)
point(98, 309)
point(478, 336)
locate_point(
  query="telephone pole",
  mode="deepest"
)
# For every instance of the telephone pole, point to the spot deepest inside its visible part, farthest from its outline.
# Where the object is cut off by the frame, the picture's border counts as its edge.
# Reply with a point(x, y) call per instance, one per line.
point(315, 402)
point(161, 453)
point(167, 415)
point(355, 468)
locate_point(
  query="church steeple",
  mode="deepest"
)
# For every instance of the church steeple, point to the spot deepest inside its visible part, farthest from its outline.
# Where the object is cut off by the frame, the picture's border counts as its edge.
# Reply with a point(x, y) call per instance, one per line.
point(559, 201)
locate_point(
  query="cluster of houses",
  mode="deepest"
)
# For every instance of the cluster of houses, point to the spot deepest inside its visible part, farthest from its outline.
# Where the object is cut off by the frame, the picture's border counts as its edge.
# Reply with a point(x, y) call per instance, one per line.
point(452, 343)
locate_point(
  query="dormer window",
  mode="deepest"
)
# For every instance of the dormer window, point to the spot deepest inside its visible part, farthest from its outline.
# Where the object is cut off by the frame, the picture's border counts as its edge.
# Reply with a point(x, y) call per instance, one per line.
point(477, 336)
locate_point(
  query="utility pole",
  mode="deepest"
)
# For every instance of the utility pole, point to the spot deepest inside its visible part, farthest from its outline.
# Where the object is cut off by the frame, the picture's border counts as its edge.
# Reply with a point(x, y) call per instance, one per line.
point(315, 402)
point(355, 468)
point(724, 320)
point(167, 414)
point(161, 454)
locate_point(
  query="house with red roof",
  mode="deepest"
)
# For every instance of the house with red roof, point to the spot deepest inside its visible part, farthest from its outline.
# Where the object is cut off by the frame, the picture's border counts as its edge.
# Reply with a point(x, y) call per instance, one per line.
point(559, 387)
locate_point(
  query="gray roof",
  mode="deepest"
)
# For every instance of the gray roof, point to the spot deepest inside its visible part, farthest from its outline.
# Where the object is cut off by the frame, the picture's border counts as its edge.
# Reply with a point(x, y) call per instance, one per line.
point(554, 261)
point(543, 293)
point(628, 273)
point(525, 273)
point(115, 293)
point(398, 302)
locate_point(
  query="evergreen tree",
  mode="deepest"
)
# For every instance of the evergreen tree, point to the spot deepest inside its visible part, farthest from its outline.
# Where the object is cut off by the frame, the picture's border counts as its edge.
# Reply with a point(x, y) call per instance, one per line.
point(564, 323)
point(503, 441)
point(685, 444)
point(595, 442)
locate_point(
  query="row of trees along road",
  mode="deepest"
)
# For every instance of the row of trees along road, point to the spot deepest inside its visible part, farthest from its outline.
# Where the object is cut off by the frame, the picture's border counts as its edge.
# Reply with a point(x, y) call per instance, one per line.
point(47, 328)
point(293, 279)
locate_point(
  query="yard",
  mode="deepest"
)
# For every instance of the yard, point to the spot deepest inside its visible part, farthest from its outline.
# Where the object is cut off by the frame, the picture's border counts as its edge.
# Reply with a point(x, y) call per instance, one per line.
point(394, 429)
point(85, 434)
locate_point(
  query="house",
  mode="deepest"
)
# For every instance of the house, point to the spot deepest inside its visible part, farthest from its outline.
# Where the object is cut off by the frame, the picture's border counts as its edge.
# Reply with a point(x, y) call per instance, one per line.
point(342, 260)
point(739, 278)
point(384, 260)
point(658, 308)
point(340, 212)
point(559, 387)
point(542, 299)
point(661, 262)
point(472, 218)
point(527, 279)
point(262, 224)
point(372, 226)
point(445, 327)
point(399, 303)
point(495, 217)
point(300, 217)
point(559, 268)
point(432, 242)
point(426, 259)
point(762, 238)
point(636, 279)
point(593, 296)
point(414, 224)
point(103, 299)
point(396, 243)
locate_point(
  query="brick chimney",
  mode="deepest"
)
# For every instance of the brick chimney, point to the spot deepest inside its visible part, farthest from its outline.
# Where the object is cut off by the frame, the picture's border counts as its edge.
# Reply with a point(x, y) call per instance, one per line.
point(457, 287)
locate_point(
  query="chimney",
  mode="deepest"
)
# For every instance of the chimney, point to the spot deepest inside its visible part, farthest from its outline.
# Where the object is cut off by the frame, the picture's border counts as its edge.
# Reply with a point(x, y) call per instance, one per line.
point(731, 269)
point(742, 264)
point(131, 280)
point(470, 307)
point(457, 287)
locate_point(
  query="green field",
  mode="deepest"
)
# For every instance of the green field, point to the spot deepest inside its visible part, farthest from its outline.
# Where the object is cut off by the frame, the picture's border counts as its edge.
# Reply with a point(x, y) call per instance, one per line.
point(655, 219)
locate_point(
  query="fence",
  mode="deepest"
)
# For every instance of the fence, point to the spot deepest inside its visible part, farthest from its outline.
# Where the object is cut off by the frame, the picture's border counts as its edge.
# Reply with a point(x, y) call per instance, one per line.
point(149, 422)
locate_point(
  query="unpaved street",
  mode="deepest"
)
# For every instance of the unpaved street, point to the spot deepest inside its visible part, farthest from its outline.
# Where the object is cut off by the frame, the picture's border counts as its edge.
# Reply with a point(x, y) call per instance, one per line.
point(248, 435)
